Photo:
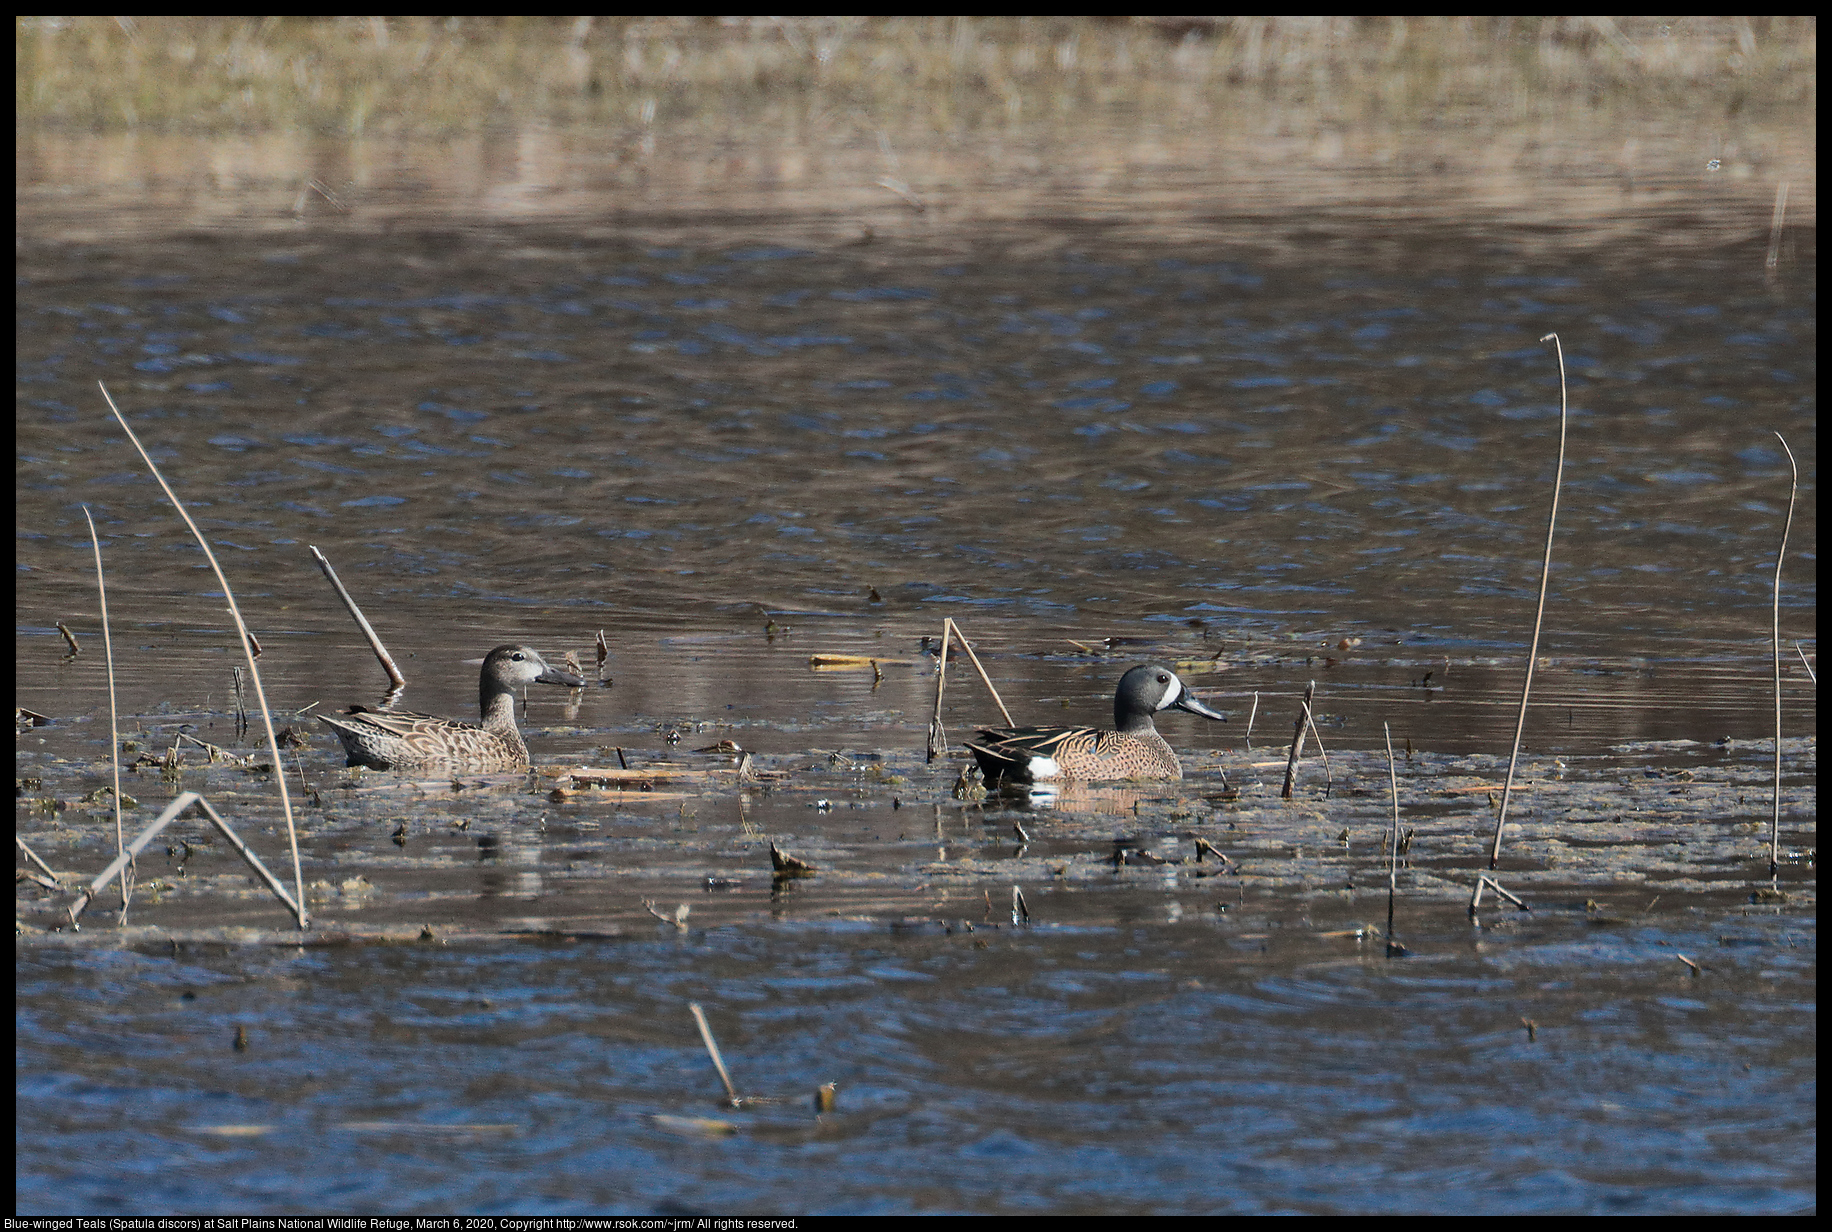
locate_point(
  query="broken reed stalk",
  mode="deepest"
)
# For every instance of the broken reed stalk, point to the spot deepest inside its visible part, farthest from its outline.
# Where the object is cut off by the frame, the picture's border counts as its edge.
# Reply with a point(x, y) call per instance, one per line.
point(1297, 740)
point(984, 678)
point(114, 717)
point(951, 634)
point(33, 857)
point(395, 679)
point(1484, 882)
point(1774, 829)
point(712, 1047)
point(1539, 616)
point(1772, 263)
point(1252, 715)
point(267, 719)
point(1329, 778)
point(1393, 844)
point(938, 735)
point(171, 813)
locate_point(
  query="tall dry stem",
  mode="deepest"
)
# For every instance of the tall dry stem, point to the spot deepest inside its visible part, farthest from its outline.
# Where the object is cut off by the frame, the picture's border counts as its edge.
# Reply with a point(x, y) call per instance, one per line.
point(267, 719)
point(1539, 615)
point(114, 715)
point(1774, 829)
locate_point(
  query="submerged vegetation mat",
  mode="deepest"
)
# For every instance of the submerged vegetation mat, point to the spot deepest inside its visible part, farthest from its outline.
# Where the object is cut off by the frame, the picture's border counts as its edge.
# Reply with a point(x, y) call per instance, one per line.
point(1644, 827)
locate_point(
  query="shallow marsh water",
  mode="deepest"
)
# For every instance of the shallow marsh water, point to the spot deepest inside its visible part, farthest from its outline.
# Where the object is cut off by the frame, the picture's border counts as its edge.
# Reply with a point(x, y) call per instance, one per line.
point(1266, 467)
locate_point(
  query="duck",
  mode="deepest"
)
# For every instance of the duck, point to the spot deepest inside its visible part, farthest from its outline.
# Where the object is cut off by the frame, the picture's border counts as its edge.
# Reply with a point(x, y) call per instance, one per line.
point(402, 740)
point(1133, 749)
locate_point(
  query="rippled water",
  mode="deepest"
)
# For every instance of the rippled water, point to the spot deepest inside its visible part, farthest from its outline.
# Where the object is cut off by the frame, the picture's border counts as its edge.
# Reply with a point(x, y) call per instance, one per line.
point(1319, 459)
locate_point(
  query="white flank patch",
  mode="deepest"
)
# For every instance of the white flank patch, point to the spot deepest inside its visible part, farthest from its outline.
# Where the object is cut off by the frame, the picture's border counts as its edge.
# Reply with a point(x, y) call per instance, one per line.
point(1044, 768)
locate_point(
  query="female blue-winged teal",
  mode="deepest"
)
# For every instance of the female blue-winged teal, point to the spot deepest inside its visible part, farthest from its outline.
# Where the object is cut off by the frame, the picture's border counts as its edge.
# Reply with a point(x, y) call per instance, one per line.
point(1134, 750)
point(401, 740)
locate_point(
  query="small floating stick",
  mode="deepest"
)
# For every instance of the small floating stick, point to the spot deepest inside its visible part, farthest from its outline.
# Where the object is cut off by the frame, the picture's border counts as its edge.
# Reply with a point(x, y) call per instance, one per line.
point(1539, 616)
point(395, 679)
point(1774, 829)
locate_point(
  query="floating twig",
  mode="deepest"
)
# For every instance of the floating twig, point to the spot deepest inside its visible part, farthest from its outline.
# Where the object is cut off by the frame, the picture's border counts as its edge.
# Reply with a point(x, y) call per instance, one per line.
point(712, 1048)
point(678, 919)
point(69, 637)
point(1539, 616)
point(1206, 848)
point(903, 190)
point(395, 679)
point(1020, 910)
point(235, 612)
point(786, 865)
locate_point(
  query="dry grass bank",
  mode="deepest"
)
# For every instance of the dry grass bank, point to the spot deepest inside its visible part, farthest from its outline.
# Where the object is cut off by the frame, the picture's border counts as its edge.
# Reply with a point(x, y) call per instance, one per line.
point(793, 79)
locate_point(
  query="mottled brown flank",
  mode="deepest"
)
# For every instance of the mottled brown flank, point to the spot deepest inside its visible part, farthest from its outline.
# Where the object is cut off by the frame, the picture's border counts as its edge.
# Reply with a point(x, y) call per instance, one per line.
point(401, 740)
point(1132, 749)
point(1083, 754)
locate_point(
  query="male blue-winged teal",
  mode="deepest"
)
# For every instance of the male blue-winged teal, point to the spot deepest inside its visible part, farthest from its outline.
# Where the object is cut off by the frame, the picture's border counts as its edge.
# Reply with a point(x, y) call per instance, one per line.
point(401, 740)
point(1134, 750)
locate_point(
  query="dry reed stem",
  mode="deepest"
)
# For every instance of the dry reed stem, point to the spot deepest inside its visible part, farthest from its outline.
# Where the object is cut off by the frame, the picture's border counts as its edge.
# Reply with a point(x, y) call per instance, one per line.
point(1539, 615)
point(1485, 882)
point(171, 813)
point(984, 678)
point(33, 856)
point(1393, 844)
point(1297, 740)
point(267, 720)
point(938, 735)
point(712, 1047)
point(1329, 778)
point(397, 682)
point(114, 717)
point(1774, 830)
point(1775, 226)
